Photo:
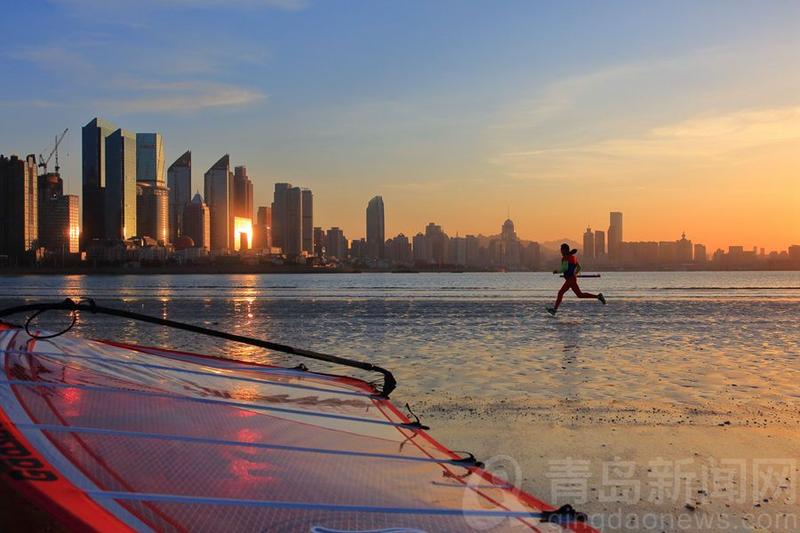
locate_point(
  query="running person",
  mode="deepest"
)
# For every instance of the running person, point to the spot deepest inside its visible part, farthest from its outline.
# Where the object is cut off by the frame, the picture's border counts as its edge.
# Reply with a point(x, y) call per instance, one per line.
point(570, 268)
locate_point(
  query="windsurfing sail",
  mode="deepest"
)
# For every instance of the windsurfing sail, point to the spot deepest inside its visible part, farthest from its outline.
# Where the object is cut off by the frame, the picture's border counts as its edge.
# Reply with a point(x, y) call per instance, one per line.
point(117, 437)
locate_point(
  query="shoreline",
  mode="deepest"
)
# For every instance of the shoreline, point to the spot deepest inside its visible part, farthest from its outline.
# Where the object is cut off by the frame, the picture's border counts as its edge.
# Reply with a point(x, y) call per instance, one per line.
point(285, 269)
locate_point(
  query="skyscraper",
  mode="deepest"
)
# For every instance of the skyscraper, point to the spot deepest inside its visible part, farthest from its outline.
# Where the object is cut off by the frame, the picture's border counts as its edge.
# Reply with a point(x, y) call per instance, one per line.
point(120, 190)
point(218, 196)
point(615, 237)
point(376, 235)
point(152, 195)
point(152, 211)
point(196, 222)
point(262, 231)
point(179, 181)
point(599, 244)
point(242, 193)
point(588, 244)
point(150, 158)
point(336, 247)
point(93, 157)
point(294, 221)
point(60, 228)
point(308, 221)
point(319, 243)
point(279, 204)
point(18, 206)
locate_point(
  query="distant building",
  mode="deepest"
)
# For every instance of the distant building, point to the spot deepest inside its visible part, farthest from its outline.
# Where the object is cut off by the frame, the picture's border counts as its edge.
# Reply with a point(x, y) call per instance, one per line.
point(262, 231)
point(457, 251)
point(599, 244)
point(218, 197)
point(700, 255)
point(473, 246)
point(794, 252)
point(196, 222)
point(93, 158)
point(507, 251)
point(279, 214)
point(438, 242)
point(308, 221)
point(588, 244)
point(615, 237)
point(399, 250)
point(684, 252)
point(532, 256)
point(59, 231)
point(179, 182)
point(358, 249)
point(120, 190)
point(152, 211)
point(376, 234)
point(422, 249)
point(336, 244)
point(294, 222)
point(319, 243)
point(293, 219)
point(242, 193)
point(19, 207)
point(150, 158)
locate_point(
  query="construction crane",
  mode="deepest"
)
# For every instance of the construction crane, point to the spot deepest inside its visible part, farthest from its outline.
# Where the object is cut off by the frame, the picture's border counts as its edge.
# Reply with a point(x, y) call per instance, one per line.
point(43, 162)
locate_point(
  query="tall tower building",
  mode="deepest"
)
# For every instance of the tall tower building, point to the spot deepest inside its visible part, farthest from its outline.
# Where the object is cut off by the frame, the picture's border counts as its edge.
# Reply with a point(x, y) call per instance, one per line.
point(376, 234)
point(150, 158)
point(120, 190)
point(179, 182)
point(218, 196)
point(308, 221)
point(196, 222)
point(93, 158)
point(242, 193)
point(262, 230)
point(599, 244)
point(19, 207)
point(588, 244)
point(615, 237)
point(294, 222)
point(279, 211)
point(152, 195)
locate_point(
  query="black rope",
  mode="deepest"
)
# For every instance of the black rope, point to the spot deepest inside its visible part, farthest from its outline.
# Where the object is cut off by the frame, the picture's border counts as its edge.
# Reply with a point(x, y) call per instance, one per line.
point(389, 382)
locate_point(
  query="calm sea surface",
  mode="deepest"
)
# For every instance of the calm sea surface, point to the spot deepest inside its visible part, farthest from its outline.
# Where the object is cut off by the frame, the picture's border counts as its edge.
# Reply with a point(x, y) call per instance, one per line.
point(667, 345)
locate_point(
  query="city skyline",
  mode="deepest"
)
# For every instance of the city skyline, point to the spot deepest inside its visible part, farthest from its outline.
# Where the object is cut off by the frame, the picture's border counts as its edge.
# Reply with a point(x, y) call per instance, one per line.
point(697, 133)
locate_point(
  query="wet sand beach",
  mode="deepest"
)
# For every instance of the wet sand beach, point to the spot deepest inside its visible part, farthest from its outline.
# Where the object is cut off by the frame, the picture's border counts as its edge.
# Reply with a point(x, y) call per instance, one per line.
point(673, 408)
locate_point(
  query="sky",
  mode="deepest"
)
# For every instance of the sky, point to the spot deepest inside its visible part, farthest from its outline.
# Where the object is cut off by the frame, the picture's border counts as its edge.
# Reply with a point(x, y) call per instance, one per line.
point(683, 115)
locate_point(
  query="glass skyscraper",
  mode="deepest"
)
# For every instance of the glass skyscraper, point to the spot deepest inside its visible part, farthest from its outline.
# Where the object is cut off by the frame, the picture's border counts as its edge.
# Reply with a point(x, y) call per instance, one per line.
point(120, 190)
point(179, 181)
point(93, 156)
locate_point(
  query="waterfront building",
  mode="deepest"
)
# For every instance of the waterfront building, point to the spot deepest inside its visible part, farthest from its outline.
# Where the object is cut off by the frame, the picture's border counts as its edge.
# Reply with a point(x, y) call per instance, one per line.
point(615, 236)
point(376, 235)
point(308, 221)
point(93, 163)
point(319, 243)
point(599, 244)
point(262, 231)
point(700, 254)
point(19, 223)
point(196, 222)
point(152, 211)
point(336, 246)
point(218, 195)
point(179, 182)
point(242, 193)
point(120, 189)
point(588, 244)
point(294, 222)
point(279, 214)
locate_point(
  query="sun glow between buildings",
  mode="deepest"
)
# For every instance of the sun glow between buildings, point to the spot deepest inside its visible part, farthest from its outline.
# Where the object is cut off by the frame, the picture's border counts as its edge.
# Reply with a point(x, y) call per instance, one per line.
point(243, 233)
